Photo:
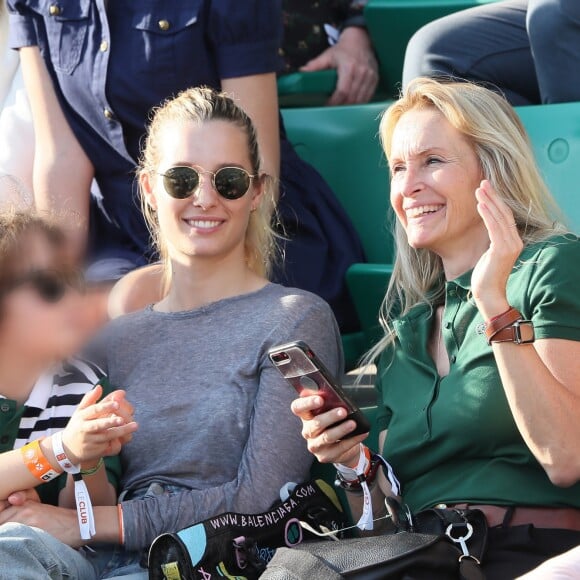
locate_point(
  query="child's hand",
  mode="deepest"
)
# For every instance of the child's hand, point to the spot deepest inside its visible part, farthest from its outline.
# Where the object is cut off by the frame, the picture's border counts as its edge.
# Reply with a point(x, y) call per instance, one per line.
point(125, 410)
point(96, 429)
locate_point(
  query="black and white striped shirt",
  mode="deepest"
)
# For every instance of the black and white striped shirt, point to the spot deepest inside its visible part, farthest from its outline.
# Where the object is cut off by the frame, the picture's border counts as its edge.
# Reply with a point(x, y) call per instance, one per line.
point(54, 399)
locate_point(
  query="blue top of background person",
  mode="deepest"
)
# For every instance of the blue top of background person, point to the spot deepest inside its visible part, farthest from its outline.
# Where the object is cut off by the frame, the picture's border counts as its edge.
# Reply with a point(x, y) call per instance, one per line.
point(112, 63)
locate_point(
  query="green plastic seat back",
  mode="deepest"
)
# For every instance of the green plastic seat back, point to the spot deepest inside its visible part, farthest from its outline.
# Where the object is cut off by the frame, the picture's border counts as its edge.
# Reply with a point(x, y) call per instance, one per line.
point(342, 143)
point(391, 24)
point(310, 89)
point(555, 134)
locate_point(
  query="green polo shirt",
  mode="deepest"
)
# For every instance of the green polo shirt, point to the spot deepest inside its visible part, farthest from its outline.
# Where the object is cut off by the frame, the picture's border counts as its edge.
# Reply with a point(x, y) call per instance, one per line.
point(454, 439)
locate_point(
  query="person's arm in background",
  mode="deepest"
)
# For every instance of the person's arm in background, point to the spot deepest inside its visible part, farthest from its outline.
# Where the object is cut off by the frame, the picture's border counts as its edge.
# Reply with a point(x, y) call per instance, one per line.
point(245, 38)
point(258, 96)
point(353, 58)
point(62, 171)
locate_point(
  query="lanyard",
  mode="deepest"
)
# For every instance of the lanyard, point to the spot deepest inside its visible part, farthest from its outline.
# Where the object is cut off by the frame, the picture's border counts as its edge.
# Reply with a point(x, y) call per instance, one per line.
point(82, 496)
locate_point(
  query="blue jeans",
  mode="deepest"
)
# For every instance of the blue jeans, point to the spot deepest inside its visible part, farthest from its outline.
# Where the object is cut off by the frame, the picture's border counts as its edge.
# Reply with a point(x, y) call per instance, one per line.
point(32, 554)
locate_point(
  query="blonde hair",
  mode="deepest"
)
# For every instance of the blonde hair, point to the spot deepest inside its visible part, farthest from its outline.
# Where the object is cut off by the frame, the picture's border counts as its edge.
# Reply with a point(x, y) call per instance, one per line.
point(200, 105)
point(505, 154)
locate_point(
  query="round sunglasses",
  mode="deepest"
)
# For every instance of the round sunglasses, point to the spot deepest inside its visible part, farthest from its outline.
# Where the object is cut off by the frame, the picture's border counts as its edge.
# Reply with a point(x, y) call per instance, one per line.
point(50, 285)
point(181, 182)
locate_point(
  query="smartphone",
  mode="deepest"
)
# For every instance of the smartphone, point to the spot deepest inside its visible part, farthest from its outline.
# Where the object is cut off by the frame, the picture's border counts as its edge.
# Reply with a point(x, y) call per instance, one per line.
point(299, 365)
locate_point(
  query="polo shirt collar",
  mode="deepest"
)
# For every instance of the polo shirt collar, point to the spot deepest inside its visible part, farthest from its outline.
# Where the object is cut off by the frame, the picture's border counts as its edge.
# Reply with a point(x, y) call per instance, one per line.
point(463, 281)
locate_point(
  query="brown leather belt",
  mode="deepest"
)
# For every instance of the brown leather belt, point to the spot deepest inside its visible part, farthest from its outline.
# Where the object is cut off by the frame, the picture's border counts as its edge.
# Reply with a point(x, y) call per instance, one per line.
point(540, 517)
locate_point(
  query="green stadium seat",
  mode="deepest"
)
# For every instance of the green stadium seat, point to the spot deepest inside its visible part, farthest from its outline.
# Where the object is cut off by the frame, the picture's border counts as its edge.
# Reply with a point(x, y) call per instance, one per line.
point(342, 143)
point(368, 284)
point(555, 134)
point(391, 23)
point(309, 89)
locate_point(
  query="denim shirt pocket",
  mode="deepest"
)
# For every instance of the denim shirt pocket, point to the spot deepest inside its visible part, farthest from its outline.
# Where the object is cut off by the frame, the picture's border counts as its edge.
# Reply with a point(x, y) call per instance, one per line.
point(67, 23)
point(165, 30)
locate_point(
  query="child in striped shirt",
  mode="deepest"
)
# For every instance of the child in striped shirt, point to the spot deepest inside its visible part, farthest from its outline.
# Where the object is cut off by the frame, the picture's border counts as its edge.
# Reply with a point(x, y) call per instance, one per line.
point(52, 414)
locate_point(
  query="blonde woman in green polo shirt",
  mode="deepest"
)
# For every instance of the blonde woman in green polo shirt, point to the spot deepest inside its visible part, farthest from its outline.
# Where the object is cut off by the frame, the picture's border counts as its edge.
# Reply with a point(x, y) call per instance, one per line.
point(479, 368)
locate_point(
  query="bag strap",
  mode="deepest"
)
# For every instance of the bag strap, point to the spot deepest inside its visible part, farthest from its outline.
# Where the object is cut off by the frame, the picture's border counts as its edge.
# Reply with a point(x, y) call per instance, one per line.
point(470, 570)
point(306, 567)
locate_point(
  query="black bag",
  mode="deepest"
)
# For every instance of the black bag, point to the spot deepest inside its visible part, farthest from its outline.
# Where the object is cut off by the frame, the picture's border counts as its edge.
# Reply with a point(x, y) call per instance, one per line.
point(239, 546)
point(424, 551)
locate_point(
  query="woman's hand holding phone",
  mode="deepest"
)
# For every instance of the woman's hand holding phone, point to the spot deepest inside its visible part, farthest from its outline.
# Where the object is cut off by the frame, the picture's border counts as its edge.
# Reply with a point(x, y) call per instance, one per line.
point(326, 440)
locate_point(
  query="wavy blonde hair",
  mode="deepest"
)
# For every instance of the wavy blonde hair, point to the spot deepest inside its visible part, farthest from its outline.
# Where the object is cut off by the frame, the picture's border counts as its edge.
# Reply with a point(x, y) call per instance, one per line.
point(201, 105)
point(505, 154)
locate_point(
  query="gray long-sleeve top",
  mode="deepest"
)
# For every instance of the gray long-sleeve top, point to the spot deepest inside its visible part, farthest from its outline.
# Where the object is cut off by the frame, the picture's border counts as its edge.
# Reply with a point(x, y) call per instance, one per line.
point(214, 414)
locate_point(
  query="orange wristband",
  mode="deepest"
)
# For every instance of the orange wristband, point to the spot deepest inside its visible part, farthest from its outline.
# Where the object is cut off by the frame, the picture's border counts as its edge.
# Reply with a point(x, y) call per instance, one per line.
point(37, 463)
point(121, 524)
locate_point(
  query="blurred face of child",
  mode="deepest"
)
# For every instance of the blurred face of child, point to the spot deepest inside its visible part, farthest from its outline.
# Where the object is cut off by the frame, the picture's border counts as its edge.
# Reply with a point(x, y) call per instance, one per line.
point(41, 308)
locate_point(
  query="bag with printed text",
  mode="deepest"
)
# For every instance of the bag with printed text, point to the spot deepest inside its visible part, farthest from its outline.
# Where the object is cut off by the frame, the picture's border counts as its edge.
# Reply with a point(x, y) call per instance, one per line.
point(239, 546)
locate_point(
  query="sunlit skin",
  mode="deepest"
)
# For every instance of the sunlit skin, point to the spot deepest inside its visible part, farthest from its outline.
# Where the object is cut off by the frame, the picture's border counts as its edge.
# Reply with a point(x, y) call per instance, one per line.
point(435, 174)
point(204, 226)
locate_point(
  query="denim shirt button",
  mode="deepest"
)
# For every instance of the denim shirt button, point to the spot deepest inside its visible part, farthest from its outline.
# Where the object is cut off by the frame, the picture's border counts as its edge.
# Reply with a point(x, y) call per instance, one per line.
point(164, 25)
point(104, 46)
point(54, 10)
point(109, 114)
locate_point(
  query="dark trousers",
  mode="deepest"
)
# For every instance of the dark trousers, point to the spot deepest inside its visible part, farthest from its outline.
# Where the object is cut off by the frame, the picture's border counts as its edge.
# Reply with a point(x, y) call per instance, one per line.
point(512, 552)
point(528, 49)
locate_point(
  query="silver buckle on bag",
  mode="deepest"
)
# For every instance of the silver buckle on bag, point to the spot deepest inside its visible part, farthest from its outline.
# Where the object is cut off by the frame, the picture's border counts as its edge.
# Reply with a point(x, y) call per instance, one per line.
point(462, 540)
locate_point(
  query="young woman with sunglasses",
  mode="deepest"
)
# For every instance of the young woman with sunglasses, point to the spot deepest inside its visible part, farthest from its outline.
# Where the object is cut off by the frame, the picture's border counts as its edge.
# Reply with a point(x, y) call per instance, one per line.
point(40, 326)
point(216, 432)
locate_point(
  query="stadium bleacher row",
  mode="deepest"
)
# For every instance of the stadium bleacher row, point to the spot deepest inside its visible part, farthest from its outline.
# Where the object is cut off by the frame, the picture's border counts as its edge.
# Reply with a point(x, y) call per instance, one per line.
point(391, 23)
point(355, 166)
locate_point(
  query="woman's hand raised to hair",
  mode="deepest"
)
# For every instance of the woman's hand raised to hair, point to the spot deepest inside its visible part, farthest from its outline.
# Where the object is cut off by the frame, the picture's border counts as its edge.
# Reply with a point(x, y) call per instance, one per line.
point(325, 442)
point(491, 273)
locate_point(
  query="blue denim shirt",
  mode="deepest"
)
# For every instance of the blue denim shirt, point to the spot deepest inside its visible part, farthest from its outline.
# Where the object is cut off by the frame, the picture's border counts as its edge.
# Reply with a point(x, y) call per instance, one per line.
point(111, 65)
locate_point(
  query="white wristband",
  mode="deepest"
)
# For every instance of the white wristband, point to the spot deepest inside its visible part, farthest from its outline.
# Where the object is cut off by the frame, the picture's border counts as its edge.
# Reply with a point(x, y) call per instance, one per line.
point(82, 496)
point(350, 474)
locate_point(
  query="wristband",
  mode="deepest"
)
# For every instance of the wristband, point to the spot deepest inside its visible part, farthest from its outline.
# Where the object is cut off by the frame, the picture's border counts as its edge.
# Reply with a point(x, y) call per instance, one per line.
point(366, 472)
point(121, 524)
point(495, 325)
point(82, 496)
point(93, 470)
point(37, 463)
point(361, 472)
